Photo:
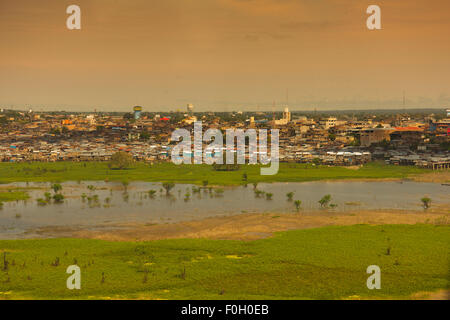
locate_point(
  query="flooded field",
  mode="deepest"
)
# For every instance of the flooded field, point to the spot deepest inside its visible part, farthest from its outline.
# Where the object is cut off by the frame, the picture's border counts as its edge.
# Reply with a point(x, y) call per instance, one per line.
point(92, 203)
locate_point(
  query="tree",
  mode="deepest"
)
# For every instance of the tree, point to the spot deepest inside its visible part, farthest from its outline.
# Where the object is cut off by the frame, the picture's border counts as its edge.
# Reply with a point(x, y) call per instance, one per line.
point(316, 161)
point(48, 196)
point(121, 160)
point(426, 202)
point(297, 203)
point(290, 195)
point(56, 187)
point(55, 131)
point(325, 201)
point(168, 186)
point(144, 135)
point(58, 198)
point(269, 196)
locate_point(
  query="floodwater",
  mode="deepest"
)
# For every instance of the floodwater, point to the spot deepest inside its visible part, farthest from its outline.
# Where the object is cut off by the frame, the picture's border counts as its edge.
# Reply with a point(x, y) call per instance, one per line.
point(111, 202)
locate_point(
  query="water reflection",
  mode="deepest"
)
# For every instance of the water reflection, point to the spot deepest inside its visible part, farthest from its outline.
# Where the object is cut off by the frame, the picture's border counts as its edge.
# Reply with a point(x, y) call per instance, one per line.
point(90, 203)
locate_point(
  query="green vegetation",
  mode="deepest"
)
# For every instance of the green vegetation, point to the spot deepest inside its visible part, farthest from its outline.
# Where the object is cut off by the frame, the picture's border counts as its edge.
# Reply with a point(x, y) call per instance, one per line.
point(325, 201)
point(13, 196)
point(121, 160)
point(297, 204)
point(56, 187)
point(426, 201)
point(197, 174)
point(290, 196)
point(58, 198)
point(323, 263)
point(168, 186)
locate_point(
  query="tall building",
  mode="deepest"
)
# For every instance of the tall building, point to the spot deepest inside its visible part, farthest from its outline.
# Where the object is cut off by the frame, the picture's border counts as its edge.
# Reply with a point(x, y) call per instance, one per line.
point(285, 120)
point(137, 112)
point(190, 108)
point(287, 115)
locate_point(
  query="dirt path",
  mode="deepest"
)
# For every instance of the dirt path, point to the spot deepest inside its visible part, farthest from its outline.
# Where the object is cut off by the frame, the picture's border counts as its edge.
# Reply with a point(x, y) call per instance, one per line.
point(442, 176)
point(247, 226)
point(438, 295)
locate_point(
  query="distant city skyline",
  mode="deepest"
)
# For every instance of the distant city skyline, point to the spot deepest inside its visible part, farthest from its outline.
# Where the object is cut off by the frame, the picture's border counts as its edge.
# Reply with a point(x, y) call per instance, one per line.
point(224, 55)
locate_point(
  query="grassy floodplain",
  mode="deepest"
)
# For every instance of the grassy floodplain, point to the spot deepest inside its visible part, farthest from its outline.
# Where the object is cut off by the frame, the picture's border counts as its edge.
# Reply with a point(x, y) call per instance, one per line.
point(77, 171)
point(12, 195)
point(321, 263)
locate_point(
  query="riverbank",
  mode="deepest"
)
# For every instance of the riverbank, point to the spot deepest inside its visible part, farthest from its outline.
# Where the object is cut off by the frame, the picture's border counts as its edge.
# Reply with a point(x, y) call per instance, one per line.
point(249, 226)
point(197, 174)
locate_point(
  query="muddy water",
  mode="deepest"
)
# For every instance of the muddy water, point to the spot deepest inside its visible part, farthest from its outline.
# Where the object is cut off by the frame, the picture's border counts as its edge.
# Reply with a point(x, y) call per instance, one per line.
point(118, 204)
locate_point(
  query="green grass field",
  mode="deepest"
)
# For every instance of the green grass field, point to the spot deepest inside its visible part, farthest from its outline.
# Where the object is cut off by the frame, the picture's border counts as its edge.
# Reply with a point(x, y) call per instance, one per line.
point(13, 196)
point(323, 263)
point(75, 171)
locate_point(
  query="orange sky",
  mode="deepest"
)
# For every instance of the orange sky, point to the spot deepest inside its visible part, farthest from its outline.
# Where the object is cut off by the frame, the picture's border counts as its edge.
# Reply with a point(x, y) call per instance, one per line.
point(224, 54)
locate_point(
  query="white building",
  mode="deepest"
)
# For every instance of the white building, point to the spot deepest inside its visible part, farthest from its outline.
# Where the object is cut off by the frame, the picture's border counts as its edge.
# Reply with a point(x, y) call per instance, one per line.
point(286, 118)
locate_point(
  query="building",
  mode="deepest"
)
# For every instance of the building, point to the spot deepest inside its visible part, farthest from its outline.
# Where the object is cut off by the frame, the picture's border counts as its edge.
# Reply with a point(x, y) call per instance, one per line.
point(374, 135)
point(440, 127)
point(407, 135)
point(287, 114)
point(190, 108)
point(137, 112)
point(328, 123)
point(286, 118)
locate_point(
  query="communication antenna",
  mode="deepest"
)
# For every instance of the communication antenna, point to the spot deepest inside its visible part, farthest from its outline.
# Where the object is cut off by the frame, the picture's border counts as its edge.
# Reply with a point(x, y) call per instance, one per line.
point(287, 97)
point(273, 111)
point(404, 99)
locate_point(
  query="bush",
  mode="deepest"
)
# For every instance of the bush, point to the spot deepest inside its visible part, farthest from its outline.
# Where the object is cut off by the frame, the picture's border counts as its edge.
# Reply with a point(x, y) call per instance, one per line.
point(290, 196)
point(58, 198)
point(325, 201)
point(297, 203)
point(168, 186)
point(426, 202)
point(56, 187)
point(120, 160)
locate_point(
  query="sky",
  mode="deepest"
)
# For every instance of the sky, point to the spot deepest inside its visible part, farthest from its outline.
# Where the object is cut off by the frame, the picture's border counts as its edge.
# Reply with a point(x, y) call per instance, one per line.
point(224, 55)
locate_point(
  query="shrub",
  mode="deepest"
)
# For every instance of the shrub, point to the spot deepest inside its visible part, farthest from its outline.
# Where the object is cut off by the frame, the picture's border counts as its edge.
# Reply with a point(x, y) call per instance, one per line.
point(290, 196)
point(120, 160)
point(58, 198)
point(426, 202)
point(297, 204)
point(325, 201)
point(56, 187)
point(48, 196)
point(168, 186)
